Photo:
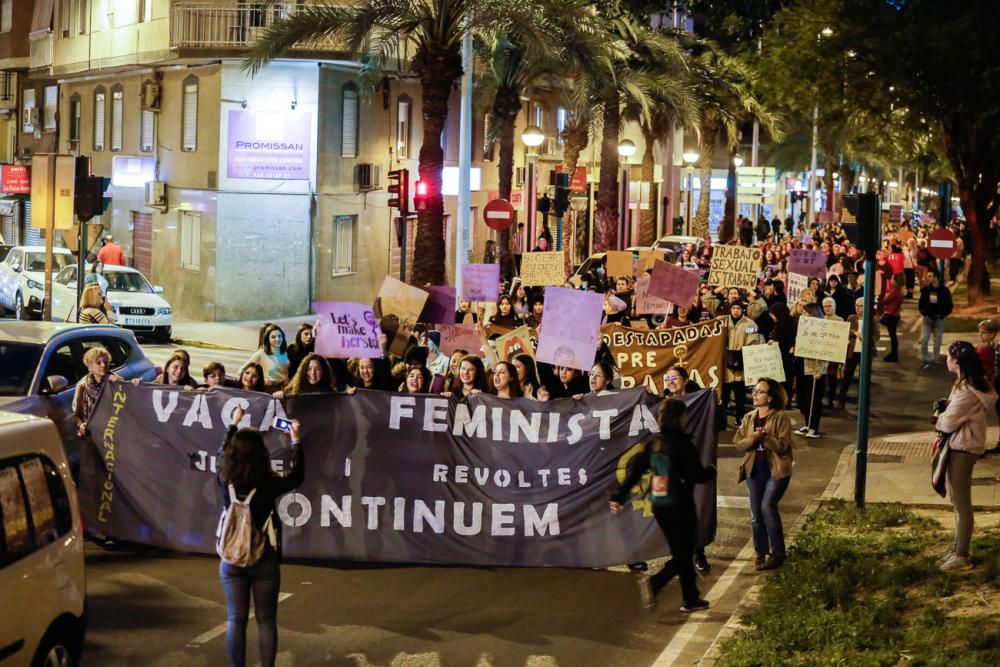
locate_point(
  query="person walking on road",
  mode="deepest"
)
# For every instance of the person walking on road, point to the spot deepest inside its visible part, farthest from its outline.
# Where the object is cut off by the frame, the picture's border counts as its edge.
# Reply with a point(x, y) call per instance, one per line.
point(965, 419)
point(246, 477)
point(935, 305)
point(111, 253)
point(673, 460)
point(766, 436)
point(892, 303)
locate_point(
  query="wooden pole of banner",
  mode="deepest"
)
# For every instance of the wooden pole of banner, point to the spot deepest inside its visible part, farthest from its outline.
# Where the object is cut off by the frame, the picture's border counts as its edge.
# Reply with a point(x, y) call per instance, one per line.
point(812, 401)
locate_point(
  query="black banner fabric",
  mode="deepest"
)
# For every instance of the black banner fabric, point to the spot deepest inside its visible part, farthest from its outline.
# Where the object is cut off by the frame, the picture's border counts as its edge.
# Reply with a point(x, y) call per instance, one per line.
point(393, 477)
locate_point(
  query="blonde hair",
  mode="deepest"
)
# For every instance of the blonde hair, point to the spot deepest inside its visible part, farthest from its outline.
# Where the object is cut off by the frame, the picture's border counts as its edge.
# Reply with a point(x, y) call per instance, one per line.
point(93, 354)
point(91, 297)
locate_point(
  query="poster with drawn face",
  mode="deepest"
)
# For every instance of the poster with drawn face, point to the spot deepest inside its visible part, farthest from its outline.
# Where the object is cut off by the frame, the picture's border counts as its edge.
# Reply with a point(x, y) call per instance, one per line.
point(571, 328)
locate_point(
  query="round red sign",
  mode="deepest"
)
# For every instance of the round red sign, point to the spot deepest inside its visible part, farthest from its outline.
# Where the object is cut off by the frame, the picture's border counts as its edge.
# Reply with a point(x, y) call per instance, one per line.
point(941, 243)
point(498, 214)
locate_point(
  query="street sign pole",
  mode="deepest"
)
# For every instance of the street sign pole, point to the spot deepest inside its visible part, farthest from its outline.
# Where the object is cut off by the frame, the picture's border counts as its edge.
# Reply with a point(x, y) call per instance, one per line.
point(464, 226)
point(869, 218)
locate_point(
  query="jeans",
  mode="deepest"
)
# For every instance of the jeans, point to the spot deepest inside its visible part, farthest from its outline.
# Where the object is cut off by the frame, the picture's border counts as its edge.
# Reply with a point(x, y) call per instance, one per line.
point(263, 578)
point(891, 325)
point(929, 324)
point(765, 521)
point(911, 279)
point(960, 466)
point(679, 526)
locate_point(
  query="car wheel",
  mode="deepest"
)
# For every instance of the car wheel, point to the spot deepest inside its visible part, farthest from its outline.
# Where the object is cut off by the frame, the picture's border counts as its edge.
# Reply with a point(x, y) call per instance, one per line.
point(20, 313)
point(54, 651)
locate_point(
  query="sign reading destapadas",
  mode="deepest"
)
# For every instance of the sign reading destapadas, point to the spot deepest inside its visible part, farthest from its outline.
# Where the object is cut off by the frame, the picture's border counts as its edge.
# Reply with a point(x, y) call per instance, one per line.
point(734, 266)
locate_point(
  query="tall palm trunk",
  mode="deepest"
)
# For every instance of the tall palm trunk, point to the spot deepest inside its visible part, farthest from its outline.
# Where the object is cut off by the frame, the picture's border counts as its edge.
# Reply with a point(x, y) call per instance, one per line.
point(729, 210)
point(506, 106)
point(706, 149)
point(606, 219)
point(575, 137)
point(647, 217)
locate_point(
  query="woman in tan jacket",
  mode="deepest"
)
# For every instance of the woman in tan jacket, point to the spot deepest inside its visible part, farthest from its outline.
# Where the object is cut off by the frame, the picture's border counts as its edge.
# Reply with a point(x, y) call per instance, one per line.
point(766, 436)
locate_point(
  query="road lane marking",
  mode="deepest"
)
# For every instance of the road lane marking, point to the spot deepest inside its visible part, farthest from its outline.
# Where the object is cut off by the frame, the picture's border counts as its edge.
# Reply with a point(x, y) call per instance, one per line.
point(220, 629)
point(728, 502)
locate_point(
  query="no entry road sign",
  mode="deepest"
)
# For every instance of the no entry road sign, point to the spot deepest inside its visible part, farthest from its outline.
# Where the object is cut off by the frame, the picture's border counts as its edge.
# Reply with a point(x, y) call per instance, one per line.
point(941, 243)
point(498, 214)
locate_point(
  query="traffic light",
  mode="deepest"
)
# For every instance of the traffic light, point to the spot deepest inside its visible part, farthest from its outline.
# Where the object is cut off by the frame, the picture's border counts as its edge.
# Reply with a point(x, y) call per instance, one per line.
point(399, 191)
point(795, 196)
point(543, 204)
point(420, 194)
point(562, 194)
point(866, 231)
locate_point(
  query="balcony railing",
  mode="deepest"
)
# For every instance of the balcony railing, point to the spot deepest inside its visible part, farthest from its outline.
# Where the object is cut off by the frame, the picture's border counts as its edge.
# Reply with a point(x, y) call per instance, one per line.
point(208, 25)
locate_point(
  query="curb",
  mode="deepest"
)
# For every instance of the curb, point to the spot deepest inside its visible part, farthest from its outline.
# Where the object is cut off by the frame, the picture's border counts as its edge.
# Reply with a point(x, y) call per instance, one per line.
point(186, 342)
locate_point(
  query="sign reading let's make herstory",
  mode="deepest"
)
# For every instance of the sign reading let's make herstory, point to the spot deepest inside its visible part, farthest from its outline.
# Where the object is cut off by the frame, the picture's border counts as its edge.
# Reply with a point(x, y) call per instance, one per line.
point(269, 145)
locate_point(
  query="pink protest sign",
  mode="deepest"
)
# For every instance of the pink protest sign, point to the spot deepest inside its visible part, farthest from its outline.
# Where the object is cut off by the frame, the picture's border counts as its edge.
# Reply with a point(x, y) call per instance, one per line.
point(674, 284)
point(459, 337)
point(480, 282)
point(809, 263)
point(440, 305)
point(571, 328)
point(346, 330)
point(646, 303)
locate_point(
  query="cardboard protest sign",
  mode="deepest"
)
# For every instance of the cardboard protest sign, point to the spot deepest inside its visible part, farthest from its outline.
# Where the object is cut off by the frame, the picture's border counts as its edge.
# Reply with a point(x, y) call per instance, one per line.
point(809, 263)
point(734, 266)
point(796, 283)
point(647, 258)
point(823, 339)
point(674, 284)
point(441, 305)
point(542, 268)
point(646, 303)
point(402, 300)
point(619, 263)
point(642, 356)
point(571, 330)
point(905, 235)
point(762, 361)
point(480, 282)
point(459, 337)
point(346, 330)
point(518, 341)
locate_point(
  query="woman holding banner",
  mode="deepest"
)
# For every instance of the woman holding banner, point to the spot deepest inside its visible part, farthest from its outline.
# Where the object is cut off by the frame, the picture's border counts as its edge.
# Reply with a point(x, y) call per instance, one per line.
point(741, 331)
point(766, 436)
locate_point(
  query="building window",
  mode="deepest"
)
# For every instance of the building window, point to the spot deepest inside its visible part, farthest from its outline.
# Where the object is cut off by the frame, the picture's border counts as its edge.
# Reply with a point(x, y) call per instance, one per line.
point(343, 244)
point(65, 18)
point(190, 241)
point(404, 106)
point(562, 120)
point(100, 100)
point(74, 120)
point(51, 107)
point(6, 15)
point(83, 22)
point(28, 111)
point(189, 115)
point(349, 130)
point(540, 117)
point(145, 10)
point(117, 116)
point(147, 131)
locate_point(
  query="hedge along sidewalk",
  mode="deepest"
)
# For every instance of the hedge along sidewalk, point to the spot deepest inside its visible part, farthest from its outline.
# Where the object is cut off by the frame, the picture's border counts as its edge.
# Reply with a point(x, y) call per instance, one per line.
point(860, 587)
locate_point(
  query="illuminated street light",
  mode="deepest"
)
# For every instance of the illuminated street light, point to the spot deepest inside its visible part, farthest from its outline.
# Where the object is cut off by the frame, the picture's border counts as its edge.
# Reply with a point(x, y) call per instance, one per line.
point(691, 156)
point(827, 31)
point(626, 148)
point(738, 160)
point(893, 184)
point(532, 137)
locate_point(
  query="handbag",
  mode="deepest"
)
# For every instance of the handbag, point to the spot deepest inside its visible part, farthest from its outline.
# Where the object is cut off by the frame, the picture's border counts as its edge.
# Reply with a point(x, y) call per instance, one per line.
point(939, 463)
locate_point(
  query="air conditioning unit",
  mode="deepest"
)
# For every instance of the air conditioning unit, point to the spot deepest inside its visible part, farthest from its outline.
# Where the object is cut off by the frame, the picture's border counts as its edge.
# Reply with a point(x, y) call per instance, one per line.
point(151, 96)
point(156, 194)
point(368, 176)
point(520, 176)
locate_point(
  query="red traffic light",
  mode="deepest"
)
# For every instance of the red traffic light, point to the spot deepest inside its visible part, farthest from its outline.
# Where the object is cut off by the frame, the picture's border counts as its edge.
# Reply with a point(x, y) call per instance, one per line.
point(420, 188)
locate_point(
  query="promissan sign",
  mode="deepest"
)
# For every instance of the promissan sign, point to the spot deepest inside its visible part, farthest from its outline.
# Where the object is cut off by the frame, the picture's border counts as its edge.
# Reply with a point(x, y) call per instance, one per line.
point(269, 145)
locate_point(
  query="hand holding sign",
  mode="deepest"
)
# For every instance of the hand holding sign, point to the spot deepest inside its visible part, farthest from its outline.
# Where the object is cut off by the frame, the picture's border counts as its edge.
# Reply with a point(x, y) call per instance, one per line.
point(346, 330)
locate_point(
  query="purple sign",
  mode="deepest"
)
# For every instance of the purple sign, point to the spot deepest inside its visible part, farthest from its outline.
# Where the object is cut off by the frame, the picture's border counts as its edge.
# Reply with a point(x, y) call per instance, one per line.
point(571, 328)
point(480, 282)
point(674, 284)
point(345, 330)
point(440, 305)
point(269, 145)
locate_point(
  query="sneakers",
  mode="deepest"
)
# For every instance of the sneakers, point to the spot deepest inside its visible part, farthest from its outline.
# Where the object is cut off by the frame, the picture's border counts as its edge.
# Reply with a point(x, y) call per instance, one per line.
point(646, 592)
point(773, 562)
point(758, 563)
point(694, 605)
point(701, 563)
point(940, 561)
point(956, 563)
point(803, 430)
point(813, 433)
point(993, 452)
point(838, 405)
point(891, 358)
point(926, 366)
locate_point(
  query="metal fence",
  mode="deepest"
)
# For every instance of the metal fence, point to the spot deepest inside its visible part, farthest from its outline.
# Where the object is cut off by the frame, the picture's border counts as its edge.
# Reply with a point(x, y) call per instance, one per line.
point(201, 25)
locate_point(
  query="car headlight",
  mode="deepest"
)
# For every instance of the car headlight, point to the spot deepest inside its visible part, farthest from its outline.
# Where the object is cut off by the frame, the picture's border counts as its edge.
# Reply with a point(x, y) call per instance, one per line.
point(164, 311)
point(33, 285)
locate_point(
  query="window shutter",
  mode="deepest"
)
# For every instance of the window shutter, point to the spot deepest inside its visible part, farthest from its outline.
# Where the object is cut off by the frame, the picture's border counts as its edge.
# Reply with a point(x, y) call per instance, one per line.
point(117, 114)
point(6, 15)
point(99, 122)
point(147, 137)
point(349, 132)
point(74, 121)
point(190, 121)
point(51, 106)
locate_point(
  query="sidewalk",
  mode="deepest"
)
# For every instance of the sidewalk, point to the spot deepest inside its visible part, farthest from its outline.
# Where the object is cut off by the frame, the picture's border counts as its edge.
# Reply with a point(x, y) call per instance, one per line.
point(232, 335)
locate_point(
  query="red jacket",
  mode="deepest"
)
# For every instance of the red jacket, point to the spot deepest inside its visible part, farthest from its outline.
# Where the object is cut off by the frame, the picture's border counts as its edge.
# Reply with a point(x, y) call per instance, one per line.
point(892, 300)
point(111, 254)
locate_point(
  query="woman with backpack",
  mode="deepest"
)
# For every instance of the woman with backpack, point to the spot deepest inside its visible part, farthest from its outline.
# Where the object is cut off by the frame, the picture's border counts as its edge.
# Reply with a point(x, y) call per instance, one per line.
point(251, 558)
point(673, 460)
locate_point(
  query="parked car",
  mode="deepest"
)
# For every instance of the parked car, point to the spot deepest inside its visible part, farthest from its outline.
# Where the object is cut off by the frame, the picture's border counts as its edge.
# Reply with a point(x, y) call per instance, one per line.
point(22, 278)
point(596, 263)
point(41, 362)
point(676, 243)
point(137, 305)
point(42, 576)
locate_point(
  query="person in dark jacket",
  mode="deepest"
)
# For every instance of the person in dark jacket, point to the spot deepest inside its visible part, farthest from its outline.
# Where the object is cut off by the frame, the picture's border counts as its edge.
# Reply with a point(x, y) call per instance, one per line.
point(842, 298)
point(246, 469)
point(776, 227)
point(935, 305)
point(745, 226)
point(673, 460)
point(763, 229)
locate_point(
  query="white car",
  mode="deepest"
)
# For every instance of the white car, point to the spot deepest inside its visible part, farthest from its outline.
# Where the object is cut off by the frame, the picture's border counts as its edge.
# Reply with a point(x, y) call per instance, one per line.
point(22, 278)
point(137, 305)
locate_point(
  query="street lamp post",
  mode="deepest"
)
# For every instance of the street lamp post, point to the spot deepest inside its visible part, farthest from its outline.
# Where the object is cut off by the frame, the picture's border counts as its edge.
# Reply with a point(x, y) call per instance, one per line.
point(532, 138)
point(626, 149)
point(690, 157)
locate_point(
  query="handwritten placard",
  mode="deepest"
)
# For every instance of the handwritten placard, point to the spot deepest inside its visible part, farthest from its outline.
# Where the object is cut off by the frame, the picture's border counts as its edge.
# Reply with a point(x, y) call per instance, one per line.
point(480, 282)
point(646, 303)
point(402, 300)
point(823, 339)
point(459, 337)
point(734, 266)
point(647, 258)
point(346, 330)
point(542, 268)
point(762, 361)
point(674, 284)
point(571, 330)
point(619, 263)
point(796, 283)
point(809, 263)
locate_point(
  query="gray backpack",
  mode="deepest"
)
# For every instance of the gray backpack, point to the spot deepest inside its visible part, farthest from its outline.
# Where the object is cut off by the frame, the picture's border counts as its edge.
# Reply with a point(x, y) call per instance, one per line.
point(239, 542)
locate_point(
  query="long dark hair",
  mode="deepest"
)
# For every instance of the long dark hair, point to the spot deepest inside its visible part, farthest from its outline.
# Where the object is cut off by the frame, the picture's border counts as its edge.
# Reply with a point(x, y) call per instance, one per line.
point(514, 386)
point(779, 399)
point(479, 382)
point(299, 383)
point(298, 345)
point(246, 462)
point(266, 343)
point(970, 366)
point(530, 372)
point(260, 376)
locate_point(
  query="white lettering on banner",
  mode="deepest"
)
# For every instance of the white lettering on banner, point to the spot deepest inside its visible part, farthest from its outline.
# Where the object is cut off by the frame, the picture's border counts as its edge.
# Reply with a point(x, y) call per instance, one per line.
point(199, 413)
point(372, 503)
point(342, 513)
point(502, 477)
point(305, 509)
point(422, 513)
point(437, 409)
point(503, 519)
point(163, 412)
point(475, 527)
point(399, 407)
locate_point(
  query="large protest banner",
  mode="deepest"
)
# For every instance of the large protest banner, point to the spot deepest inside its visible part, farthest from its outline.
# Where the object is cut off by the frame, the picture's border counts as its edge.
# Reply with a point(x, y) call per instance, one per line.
point(762, 361)
point(346, 330)
point(571, 330)
point(391, 477)
point(642, 356)
point(809, 263)
point(734, 266)
point(542, 268)
point(820, 338)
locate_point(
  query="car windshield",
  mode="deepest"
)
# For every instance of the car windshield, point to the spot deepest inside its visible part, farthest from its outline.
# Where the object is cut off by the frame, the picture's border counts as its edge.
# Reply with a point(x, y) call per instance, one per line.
point(18, 362)
point(126, 281)
point(35, 261)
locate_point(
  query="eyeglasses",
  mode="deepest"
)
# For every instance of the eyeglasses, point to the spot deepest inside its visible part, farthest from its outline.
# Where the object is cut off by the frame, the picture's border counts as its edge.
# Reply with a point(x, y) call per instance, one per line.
point(672, 378)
